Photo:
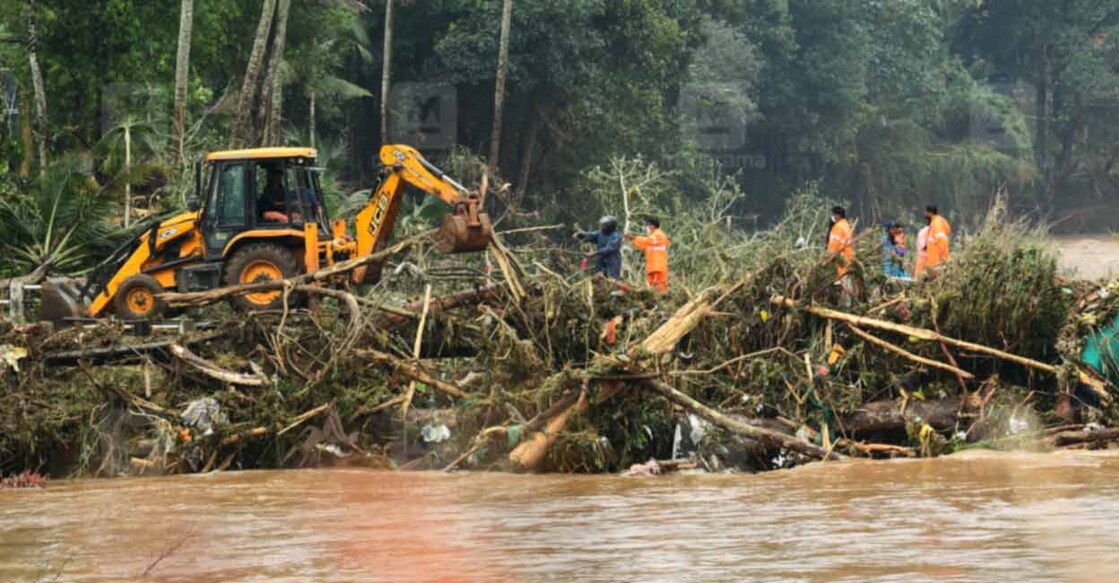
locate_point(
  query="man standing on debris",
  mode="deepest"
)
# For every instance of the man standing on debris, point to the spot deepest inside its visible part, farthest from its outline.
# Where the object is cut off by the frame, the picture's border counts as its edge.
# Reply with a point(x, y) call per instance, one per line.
point(841, 241)
point(608, 256)
point(655, 245)
point(936, 246)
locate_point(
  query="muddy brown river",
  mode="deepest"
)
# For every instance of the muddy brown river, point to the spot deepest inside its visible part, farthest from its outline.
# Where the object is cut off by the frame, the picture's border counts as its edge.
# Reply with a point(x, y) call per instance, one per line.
point(970, 517)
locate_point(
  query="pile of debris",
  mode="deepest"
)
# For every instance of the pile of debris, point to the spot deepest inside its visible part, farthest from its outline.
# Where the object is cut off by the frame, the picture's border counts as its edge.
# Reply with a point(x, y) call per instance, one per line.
point(525, 368)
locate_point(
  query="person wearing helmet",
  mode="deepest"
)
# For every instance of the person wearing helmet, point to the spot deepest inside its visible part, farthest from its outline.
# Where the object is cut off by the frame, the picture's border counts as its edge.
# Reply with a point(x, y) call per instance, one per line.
point(607, 239)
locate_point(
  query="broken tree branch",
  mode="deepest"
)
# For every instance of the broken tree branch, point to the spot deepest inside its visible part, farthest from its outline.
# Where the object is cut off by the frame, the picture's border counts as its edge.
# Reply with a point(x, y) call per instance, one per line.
point(214, 371)
point(766, 436)
point(412, 371)
point(903, 352)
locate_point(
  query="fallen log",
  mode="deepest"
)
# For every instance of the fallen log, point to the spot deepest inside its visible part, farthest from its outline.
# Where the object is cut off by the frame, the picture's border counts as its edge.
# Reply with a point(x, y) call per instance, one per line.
point(440, 304)
point(1098, 437)
point(765, 436)
point(530, 452)
point(888, 416)
point(196, 299)
point(686, 318)
point(123, 353)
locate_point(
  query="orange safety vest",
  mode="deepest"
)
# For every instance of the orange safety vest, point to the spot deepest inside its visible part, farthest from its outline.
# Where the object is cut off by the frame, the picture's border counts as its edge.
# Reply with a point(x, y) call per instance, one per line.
point(655, 247)
point(840, 241)
point(937, 244)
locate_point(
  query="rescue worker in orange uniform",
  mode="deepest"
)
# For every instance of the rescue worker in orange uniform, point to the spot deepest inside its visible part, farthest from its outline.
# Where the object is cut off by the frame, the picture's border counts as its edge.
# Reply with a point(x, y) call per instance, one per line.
point(655, 245)
point(841, 241)
point(936, 247)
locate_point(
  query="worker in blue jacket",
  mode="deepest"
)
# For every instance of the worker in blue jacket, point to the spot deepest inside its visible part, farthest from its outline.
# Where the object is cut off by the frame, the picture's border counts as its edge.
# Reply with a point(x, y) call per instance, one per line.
point(608, 256)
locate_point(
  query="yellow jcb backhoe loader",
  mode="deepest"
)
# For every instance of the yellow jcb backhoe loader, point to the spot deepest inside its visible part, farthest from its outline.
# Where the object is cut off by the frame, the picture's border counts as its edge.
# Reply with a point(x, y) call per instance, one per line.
point(258, 216)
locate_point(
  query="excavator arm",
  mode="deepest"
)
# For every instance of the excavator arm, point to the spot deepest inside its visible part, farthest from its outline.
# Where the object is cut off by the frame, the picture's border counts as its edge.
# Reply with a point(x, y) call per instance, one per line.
point(466, 229)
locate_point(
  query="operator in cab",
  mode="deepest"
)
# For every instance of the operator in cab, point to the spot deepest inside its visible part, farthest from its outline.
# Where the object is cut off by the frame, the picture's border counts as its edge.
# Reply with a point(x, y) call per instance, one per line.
point(273, 200)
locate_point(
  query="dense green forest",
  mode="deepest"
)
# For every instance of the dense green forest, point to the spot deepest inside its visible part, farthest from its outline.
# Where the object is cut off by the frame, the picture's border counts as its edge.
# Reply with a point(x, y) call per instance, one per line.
point(726, 105)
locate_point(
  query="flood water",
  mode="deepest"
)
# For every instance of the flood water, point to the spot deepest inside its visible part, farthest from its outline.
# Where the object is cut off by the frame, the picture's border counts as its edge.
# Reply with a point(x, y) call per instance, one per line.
point(971, 517)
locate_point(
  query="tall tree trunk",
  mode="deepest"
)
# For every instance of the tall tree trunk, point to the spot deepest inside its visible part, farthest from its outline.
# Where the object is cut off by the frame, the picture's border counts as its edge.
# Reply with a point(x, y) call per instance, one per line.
point(243, 118)
point(40, 92)
point(128, 174)
point(274, 108)
point(26, 137)
point(1041, 129)
point(311, 118)
point(499, 83)
point(527, 152)
point(182, 74)
point(386, 73)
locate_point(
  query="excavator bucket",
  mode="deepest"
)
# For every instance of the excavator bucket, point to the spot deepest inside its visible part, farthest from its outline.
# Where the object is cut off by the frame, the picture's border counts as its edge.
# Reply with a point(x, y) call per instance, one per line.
point(464, 231)
point(59, 303)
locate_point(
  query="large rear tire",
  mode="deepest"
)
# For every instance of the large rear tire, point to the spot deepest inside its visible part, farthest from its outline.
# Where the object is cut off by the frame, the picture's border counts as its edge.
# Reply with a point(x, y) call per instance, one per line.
point(258, 263)
point(138, 299)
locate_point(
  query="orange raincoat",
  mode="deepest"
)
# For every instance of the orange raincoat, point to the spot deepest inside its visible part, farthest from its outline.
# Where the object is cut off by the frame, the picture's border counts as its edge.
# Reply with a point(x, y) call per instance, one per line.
point(937, 245)
point(655, 245)
point(842, 235)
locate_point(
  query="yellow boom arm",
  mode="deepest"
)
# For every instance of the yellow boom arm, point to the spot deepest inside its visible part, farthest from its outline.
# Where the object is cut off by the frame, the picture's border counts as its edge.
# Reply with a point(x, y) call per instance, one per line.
point(466, 229)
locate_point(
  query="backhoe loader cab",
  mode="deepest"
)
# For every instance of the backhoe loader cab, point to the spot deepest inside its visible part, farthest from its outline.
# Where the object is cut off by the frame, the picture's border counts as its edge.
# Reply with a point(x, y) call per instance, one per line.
point(259, 219)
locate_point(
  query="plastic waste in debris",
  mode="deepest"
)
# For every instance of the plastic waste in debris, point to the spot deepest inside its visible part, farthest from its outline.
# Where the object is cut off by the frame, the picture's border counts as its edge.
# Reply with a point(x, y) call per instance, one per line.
point(11, 355)
point(1016, 425)
point(435, 433)
point(649, 468)
point(202, 414)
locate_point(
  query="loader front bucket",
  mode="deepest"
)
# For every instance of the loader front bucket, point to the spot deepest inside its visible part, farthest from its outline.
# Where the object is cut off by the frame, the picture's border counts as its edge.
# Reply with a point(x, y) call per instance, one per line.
point(59, 304)
point(464, 231)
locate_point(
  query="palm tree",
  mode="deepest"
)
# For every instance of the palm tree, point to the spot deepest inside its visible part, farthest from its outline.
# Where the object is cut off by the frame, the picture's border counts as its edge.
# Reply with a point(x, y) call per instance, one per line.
point(62, 220)
point(130, 136)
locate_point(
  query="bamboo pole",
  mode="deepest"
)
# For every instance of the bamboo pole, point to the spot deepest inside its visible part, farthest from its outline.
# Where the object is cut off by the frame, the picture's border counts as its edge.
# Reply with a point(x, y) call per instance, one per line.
point(919, 333)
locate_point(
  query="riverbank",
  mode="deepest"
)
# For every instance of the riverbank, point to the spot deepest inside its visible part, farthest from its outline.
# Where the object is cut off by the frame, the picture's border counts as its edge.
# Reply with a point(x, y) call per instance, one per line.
point(755, 361)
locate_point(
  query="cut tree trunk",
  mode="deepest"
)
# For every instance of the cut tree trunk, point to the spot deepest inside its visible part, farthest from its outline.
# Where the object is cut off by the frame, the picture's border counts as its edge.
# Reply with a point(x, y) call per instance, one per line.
point(386, 73)
point(888, 416)
point(273, 82)
point(182, 75)
point(499, 83)
point(247, 98)
point(37, 83)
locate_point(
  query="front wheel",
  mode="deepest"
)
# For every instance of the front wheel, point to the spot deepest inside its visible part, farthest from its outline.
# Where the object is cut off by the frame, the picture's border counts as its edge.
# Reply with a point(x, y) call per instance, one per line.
point(259, 263)
point(138, 299)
